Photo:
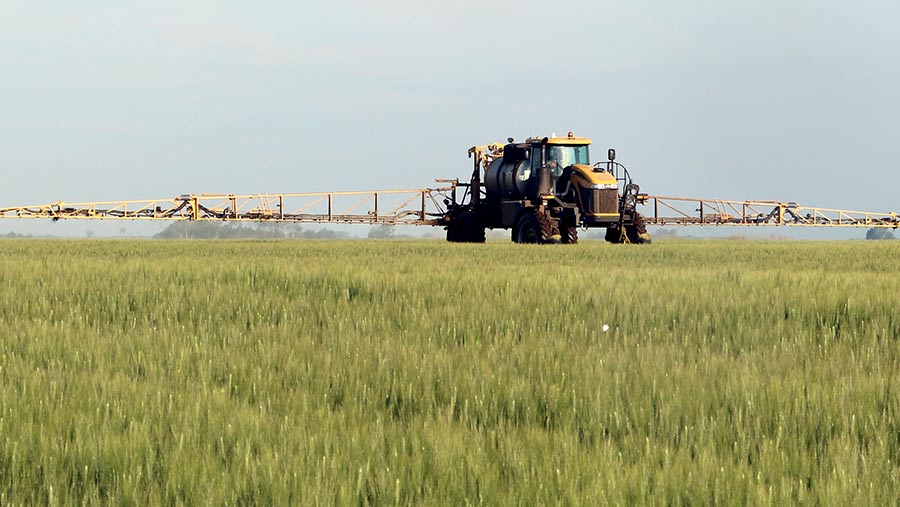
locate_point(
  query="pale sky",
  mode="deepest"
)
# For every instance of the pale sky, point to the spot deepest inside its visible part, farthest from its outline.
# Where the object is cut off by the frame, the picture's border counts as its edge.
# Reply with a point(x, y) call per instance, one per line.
point(107, 100)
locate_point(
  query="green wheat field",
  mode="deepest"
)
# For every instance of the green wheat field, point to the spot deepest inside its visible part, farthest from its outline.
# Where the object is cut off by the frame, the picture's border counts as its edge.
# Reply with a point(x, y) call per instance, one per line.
point(420, 373)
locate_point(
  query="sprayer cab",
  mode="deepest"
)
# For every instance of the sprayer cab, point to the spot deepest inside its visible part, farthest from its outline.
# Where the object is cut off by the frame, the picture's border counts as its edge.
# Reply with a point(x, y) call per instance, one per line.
point(557, 169)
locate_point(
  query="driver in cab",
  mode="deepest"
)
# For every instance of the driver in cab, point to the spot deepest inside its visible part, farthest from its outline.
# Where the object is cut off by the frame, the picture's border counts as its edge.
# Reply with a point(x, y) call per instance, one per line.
point(557, 159)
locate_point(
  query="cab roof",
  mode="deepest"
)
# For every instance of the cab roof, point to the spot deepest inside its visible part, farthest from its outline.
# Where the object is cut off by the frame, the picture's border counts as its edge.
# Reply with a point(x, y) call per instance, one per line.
point(568, 141)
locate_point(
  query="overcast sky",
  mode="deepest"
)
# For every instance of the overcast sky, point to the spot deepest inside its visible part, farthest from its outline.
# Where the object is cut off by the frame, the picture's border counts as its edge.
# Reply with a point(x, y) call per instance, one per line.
point(107, 100)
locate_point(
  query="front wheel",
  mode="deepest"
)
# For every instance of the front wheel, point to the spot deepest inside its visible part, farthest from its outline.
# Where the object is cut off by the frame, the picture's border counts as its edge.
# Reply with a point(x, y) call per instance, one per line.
point(568, 229)
point(614, 234)
point(635, 232)
point(636, 237)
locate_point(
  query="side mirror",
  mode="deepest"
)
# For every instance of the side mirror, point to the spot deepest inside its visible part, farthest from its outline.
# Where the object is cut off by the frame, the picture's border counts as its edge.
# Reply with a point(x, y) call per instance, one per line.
point(612, 154)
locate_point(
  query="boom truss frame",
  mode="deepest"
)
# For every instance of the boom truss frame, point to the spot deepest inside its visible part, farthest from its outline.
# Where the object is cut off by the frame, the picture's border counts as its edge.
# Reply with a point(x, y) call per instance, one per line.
point(428, 206)
point(687, 211)
point(424, 206)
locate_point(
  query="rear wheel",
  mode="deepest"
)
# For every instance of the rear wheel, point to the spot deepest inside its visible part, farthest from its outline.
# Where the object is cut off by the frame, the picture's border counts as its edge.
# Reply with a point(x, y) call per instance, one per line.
point(452, 232)
point(475, 231)
point(533, 227)
point(465, 228)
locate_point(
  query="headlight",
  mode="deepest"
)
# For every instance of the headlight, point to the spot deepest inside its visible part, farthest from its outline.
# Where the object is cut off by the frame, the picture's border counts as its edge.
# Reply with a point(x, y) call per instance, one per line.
point(605, 186)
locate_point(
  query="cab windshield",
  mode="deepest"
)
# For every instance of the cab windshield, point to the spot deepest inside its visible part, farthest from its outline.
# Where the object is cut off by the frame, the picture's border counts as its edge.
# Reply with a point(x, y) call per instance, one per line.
point(559, 157)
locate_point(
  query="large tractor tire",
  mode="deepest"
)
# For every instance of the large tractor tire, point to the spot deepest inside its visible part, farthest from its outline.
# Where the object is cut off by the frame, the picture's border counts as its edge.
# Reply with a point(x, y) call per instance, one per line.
point(533, 227)
point(614, 234)
point(466, 228)
point(453, 232)
point(635, 232)
point(638, 238)
point(568, 229)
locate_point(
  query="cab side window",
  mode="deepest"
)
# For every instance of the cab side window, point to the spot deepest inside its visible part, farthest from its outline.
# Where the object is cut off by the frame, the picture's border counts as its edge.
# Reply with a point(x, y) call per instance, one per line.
point(536, 158)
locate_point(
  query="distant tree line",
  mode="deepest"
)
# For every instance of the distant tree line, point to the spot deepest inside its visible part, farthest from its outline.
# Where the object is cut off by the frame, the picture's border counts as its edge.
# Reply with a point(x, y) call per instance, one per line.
point(221, 230)
point(875, 233)
point(386, 231)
